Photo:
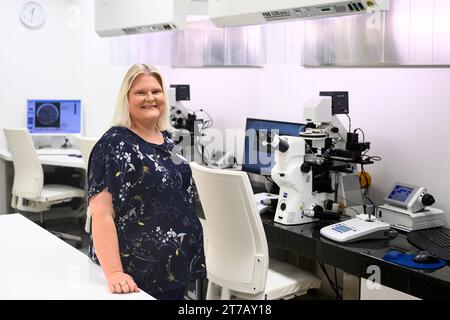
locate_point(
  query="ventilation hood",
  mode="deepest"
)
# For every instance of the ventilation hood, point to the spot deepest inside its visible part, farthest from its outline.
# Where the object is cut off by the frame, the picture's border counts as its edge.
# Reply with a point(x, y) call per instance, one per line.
point(228, 13)
point(122, 17)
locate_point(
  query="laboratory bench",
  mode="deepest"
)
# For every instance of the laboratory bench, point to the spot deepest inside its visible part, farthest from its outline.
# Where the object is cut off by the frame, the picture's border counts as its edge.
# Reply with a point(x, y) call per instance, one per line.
point(355, 258)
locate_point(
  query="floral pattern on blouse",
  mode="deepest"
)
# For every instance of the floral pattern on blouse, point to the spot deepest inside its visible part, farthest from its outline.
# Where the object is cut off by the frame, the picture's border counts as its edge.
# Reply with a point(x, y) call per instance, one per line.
point(159, 232)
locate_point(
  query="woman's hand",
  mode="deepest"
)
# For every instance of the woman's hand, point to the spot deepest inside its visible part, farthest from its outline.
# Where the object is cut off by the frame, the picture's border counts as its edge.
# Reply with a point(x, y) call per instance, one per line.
point(120, 282)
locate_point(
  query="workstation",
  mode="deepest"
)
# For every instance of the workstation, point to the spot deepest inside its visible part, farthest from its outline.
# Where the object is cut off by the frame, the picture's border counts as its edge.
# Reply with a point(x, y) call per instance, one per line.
point(314, 131)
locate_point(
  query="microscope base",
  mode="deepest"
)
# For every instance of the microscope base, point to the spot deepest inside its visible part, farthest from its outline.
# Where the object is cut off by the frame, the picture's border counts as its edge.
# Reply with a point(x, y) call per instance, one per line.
point(292, 218)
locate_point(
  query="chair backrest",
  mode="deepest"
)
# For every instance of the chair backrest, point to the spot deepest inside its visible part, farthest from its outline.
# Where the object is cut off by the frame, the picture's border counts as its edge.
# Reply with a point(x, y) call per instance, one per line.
point(28, 173)
point(85, 146)
point(237, 256)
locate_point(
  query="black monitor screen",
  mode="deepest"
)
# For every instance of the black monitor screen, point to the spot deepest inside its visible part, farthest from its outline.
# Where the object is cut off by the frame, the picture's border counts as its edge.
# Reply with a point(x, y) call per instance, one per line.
point(259, 158)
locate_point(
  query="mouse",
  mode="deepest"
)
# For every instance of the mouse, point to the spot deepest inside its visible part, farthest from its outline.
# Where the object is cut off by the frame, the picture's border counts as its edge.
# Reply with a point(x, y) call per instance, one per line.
point(425, 257)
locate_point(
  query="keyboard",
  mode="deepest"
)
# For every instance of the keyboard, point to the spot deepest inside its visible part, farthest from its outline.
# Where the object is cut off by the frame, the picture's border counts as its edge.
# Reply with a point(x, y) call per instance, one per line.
point(435, 240)
point(57, 152)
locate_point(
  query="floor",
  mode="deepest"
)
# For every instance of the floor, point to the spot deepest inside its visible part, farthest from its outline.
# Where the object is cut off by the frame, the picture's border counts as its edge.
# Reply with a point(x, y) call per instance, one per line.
point(71, 225)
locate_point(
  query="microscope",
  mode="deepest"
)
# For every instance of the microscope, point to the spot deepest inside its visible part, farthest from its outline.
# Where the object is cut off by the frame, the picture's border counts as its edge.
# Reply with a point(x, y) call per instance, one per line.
point(308, 168)
point(187, 128)
point(295, 182)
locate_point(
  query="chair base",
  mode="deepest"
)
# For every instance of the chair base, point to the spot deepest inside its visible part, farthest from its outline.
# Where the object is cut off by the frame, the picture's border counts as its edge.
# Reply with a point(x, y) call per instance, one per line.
point(62, 235)
point(284, 281)
point(28, 205)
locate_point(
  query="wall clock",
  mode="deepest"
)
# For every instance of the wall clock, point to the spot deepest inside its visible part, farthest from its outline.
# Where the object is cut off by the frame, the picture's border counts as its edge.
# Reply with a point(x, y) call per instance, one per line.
point(32, 14)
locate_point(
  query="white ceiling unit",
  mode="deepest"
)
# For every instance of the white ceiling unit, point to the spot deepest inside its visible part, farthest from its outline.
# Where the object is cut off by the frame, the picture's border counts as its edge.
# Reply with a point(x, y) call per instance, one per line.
point(228, 13)
point(122, 17)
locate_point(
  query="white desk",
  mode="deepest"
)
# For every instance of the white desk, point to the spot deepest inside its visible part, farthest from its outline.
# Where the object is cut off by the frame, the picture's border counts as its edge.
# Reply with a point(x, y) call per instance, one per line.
point(36, 264)
point(51, 160)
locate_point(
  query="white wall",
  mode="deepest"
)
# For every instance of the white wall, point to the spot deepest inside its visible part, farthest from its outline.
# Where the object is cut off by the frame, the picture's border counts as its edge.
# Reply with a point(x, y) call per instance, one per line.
point(402, 110)
point(36, 63)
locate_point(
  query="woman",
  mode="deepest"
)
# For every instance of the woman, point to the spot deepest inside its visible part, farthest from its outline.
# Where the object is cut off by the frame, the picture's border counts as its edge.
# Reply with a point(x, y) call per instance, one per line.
point(145, 230)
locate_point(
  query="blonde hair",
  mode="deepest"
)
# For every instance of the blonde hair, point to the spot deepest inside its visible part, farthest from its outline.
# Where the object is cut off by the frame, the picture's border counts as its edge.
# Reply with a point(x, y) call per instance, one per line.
point(122, 114)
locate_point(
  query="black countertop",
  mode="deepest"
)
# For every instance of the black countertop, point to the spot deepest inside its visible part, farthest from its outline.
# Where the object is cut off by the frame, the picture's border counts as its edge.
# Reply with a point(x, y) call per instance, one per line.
point(355, 258)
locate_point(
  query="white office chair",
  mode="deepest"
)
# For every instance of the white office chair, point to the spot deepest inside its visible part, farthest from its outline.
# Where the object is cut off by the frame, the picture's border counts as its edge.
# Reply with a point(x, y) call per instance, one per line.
point(237, 258)
point(85, 146)
point(29, 192)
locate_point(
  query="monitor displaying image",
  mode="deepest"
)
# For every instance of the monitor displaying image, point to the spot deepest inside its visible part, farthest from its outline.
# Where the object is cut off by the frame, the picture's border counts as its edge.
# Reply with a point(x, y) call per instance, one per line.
point(258, 155)
point(54, 116)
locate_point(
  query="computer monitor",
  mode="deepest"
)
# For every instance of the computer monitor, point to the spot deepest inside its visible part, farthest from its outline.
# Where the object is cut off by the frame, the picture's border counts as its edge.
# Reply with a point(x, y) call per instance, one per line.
point(54, 117)
point(258, 158)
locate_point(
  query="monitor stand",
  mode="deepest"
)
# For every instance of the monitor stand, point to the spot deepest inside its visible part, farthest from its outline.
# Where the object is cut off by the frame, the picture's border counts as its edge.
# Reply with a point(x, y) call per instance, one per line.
point(52, 141)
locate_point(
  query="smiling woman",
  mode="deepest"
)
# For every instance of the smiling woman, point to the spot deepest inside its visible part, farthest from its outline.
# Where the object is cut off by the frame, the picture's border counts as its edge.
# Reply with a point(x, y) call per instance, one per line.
point(146, 104)
point(145, 230)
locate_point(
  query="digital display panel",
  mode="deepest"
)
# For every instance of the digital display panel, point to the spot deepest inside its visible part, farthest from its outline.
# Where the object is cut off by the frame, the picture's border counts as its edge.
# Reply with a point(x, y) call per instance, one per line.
point(400, 193)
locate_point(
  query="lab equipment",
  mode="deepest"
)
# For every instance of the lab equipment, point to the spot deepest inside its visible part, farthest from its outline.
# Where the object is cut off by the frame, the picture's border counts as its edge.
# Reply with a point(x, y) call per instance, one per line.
point(409, 208)
point(187, 133)
point(118, 17)
point(238, 257)
point(435, 240)
point(295, 182)
point(54, 117)
point(265, 200)
point(222, 160)
point(259, 156)
point(228, 13)
point(309, 167)
point(363, 227)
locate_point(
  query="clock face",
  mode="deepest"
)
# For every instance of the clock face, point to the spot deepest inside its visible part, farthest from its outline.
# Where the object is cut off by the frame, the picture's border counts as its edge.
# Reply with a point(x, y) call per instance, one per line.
point(32, 14)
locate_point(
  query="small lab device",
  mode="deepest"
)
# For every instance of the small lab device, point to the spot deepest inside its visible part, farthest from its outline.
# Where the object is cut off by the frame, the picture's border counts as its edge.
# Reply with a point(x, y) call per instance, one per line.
point(54, 117)
point(363, 227)
point(408, 208)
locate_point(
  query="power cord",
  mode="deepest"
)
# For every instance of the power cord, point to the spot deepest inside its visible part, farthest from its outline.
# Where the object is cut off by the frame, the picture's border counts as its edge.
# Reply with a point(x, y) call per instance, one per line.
point(333, 285)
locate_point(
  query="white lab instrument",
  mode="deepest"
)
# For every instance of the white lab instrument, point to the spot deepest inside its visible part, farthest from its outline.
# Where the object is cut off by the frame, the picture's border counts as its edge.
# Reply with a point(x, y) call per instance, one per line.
point(318, 110)
point(227, 13)
point(293, 171)
point(409, 208)
point(363, 227)
point(118, 17)
point(296, 191)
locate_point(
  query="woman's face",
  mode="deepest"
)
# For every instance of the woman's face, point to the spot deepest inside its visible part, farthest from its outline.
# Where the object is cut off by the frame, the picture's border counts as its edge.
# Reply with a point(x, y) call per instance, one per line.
point(146, 99)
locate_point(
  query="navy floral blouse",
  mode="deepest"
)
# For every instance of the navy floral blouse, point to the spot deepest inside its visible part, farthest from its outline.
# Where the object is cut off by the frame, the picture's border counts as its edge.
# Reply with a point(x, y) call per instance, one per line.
point(159, 232)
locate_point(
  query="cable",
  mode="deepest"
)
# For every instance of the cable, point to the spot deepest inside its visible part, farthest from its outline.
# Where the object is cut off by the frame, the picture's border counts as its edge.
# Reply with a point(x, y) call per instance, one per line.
point(336, 280)
point(208, 123)
point(359, 129)
point(349, 122)
point(333, 285)
point(374, 158)
point(270, 179)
